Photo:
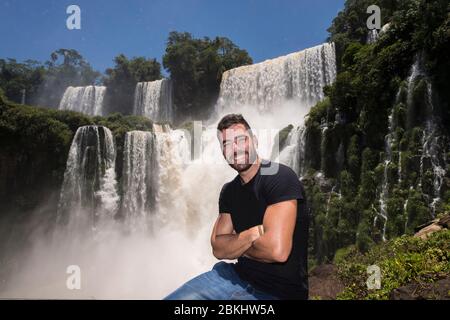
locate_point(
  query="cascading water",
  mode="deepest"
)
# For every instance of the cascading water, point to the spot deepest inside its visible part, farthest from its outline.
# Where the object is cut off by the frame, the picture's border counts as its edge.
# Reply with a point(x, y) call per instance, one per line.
point(292, 154)
point(432, 149)
point(171, 157)
point(185, 190)
point(153, 164)
point(372, 36)
point(138, 180)
point(433, 141)
point(389, 140)
point(329, 201)
point(299, 76)
point(88, 100)
point(89, 192)
point(305, 73)
point(432, 156)
point(154, 100)
point(324, 129)
point(405, 212)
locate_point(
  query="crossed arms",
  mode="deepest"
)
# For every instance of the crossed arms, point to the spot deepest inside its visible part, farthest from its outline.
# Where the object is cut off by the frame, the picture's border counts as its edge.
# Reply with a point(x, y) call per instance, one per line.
point(274, 245)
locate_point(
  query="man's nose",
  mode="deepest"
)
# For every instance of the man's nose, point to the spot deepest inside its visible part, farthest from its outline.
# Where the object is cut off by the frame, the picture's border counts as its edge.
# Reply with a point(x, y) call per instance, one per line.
point(239, 147)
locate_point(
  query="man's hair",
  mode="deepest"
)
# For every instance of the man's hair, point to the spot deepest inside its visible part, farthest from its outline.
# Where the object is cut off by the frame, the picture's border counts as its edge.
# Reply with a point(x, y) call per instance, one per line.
point(231, 119)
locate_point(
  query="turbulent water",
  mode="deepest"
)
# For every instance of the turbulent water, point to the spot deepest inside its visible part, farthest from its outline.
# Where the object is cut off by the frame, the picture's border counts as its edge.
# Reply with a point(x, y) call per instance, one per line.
point(154, 100)
point(299, 76)
point(138, 181)
point(89, 192)
point(292, 154)
point(88, 100)
point(162, 207)
point(297, 80)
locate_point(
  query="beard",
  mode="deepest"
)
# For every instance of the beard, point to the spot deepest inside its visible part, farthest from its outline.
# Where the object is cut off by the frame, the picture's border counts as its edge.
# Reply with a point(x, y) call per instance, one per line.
point(244, 162)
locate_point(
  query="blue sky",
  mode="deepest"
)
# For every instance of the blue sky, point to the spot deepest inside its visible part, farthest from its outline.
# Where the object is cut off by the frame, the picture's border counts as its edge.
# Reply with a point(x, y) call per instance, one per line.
point(265, 28)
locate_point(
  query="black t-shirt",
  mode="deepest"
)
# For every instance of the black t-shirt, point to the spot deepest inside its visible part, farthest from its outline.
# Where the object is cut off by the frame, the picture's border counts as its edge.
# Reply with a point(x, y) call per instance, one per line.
point(247, 204)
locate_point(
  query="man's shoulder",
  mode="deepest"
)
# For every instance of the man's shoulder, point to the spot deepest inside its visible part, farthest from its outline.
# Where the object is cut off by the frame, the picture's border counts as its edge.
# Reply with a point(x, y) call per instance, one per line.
point(278, 170)
point(228, 186)
point(281, 185)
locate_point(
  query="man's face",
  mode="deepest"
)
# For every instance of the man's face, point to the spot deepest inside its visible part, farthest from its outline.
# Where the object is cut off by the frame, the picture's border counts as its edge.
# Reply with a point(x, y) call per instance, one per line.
point(238, 147)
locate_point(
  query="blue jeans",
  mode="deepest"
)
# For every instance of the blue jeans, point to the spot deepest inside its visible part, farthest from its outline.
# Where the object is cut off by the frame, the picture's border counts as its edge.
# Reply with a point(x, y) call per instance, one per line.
point(221, 283)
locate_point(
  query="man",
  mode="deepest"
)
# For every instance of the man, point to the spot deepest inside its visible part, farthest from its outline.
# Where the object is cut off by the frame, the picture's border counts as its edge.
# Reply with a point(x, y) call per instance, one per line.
point(262, 222)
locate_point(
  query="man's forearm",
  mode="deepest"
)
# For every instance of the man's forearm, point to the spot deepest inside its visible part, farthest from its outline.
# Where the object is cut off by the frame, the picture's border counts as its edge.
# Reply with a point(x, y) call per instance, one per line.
point(232, 246)
point(267, 249)
point(261, 250)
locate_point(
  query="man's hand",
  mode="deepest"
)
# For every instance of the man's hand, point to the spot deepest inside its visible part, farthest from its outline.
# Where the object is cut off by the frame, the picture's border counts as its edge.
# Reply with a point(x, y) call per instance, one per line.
point(226, 244)
point(269, 244)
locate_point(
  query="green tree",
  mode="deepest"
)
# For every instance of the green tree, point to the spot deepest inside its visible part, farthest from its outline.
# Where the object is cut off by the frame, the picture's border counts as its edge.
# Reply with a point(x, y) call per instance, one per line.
point(196, 67)
point(121, 80)
point(20, 81)
point(66, 67)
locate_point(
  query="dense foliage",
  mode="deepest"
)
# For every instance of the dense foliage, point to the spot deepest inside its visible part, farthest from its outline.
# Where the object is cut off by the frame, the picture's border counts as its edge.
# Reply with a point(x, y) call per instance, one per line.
point(44, 84)
point(346, 133)
point(20, 81)
point(401, 261)
point(196, 67)
point(348, 176)
point(35, 144)
point(121, 81)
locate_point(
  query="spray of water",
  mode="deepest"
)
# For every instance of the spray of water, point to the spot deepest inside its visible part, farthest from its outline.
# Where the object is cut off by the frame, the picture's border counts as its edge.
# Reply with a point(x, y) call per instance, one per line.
point(118, 262)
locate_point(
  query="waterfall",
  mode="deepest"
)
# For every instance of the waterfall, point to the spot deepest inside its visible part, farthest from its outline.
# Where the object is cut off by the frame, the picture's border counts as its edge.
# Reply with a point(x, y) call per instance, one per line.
point(327, 209)
point(433, 149)
point(153, 164)
point(293, 82)
point(301, 154)
point(175, 194)
point(24, 96)
point(384, 193)
point(372, 36)
point(89, 192)
point(299, 76)
point(324, 129)
point(172, 156)
point(292, 154)
point(154, 100)
point(88, 100)
point(434, 144)
point(138, 180)
point(414, 73)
